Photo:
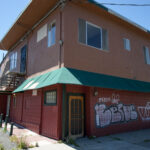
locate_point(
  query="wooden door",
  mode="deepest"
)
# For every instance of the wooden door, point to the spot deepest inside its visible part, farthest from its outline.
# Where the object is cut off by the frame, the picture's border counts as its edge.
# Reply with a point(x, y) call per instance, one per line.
point(76, 116)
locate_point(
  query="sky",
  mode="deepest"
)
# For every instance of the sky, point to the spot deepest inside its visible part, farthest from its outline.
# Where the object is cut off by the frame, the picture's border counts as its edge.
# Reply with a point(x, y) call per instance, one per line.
point(11, 9)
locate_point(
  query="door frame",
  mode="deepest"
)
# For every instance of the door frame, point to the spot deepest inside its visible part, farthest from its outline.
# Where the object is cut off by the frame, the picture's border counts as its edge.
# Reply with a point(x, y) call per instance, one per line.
point(67, 111)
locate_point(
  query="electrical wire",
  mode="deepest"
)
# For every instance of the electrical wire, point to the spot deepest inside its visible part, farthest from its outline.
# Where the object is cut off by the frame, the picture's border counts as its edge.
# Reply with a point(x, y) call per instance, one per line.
point(145, 5)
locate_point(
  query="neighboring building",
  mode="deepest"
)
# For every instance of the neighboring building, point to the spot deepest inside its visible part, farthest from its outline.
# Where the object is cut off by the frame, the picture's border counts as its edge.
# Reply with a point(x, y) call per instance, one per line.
point(85, 70)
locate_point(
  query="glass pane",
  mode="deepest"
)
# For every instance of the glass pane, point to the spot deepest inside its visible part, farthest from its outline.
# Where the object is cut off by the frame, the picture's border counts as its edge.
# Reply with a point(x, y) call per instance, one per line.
point(51, 35)
point(53, 32)
point(93, 36)
point(51, 97)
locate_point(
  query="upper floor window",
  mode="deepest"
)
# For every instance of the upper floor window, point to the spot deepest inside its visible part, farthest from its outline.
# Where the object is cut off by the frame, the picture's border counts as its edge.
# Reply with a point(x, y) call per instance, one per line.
point(52, 34)
point(93, 35)
point(127, 44)
point(42, 33)
point(13, 60)
point(146, 54)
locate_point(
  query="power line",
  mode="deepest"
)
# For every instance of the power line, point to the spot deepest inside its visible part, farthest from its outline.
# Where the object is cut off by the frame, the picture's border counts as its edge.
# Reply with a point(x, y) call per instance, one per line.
point(145, 5)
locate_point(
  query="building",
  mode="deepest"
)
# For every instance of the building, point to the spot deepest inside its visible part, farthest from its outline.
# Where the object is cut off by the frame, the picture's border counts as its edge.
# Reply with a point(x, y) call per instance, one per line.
point(76, 68)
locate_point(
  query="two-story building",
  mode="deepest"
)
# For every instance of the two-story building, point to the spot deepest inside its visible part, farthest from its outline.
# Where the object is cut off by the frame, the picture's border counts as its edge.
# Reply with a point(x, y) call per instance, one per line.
point(76, 68)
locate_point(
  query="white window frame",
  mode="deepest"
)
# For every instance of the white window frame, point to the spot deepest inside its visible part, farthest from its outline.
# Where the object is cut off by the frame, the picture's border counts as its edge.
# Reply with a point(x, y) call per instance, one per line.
point(147, 55)
point(127, 44)
point(13, 60)
point(49, 27)
point(96, 26)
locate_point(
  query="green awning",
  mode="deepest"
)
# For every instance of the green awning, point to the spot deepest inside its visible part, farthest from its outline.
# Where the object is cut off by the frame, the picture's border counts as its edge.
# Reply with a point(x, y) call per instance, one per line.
point(78, 77)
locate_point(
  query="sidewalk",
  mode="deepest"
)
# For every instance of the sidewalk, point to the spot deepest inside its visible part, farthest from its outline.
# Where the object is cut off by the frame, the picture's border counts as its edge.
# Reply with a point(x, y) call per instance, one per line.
point(33, 138)
point(137, 140)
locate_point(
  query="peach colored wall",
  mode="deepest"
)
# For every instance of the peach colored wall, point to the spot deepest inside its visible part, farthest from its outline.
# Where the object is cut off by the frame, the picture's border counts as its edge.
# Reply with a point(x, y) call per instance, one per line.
point(117, 61)
point(40, 57)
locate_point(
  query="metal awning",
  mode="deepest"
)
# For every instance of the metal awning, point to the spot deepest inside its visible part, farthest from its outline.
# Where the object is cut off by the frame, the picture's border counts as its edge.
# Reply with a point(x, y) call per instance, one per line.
point(78, 77)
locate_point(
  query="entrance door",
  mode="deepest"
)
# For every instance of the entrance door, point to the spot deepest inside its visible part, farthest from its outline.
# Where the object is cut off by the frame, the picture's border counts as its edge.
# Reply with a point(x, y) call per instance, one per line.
point(76, 116)
point(23, 60)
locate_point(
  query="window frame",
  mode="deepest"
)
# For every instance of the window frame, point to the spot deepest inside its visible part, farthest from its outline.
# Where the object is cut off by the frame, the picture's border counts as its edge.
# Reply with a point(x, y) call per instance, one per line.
point(147, 61)
point(98, 27)
point(49, 27)
point(13, 60)
point(125, 44)
point(50, 104)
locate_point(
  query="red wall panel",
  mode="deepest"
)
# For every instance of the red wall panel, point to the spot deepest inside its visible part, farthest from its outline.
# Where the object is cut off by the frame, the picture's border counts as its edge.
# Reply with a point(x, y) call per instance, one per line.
point(51, 115)
point(3, 104)
point(16, 110)
point(115, 111)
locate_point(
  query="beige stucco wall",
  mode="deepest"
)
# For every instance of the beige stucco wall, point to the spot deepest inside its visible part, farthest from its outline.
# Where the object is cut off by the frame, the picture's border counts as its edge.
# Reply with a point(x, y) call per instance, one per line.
point(117, 61)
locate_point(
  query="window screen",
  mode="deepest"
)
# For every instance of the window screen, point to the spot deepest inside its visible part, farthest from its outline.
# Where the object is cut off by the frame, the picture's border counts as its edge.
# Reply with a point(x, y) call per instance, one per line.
point(50, 98)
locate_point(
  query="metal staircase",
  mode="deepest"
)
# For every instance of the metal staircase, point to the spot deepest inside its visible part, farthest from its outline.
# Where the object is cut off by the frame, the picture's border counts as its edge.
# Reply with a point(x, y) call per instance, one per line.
point(11, 81)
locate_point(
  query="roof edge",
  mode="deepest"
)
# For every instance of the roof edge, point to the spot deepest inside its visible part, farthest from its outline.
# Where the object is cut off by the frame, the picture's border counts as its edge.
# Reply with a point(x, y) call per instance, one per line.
point(15, 21)
point(119, 16)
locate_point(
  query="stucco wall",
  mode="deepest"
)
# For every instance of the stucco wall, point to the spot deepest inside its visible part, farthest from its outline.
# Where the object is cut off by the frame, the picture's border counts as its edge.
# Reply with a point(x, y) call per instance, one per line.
point(116, 61)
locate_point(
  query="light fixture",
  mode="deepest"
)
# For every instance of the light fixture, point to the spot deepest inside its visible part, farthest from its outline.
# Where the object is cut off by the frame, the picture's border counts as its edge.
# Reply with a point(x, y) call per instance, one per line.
point(95, 92)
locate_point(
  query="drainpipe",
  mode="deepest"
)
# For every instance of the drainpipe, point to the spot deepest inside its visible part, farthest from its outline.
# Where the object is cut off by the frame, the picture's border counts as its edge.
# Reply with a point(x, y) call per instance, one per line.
point(63, 3)
point(63, 111)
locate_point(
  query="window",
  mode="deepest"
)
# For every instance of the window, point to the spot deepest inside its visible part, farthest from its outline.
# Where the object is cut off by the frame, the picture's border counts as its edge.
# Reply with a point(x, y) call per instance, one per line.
point(13, 61)
point(42, 33)
point(127, 44)
point(93, 35)
point(50, 98)
point(146, 54)
point(51, 34)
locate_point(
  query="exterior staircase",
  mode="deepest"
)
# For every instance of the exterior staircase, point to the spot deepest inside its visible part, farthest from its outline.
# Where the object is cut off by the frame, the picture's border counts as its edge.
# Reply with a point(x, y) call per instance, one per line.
point(11, 81)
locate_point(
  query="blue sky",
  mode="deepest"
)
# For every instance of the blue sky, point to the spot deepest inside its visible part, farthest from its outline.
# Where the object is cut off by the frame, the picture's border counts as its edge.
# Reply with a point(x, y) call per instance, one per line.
point(10, 10)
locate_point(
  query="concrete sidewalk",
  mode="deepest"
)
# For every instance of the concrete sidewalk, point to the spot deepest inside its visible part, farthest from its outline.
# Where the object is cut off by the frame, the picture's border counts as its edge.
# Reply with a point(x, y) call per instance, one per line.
point(137, 140)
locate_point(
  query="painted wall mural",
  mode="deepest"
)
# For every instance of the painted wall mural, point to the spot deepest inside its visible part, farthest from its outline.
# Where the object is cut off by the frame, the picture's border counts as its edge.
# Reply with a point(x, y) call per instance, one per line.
point(115, 113)
point(144, 111)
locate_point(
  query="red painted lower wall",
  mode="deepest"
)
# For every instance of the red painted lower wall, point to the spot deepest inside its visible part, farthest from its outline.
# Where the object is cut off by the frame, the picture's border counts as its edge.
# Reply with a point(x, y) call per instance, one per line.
point(31, 112)
point(16, 108)
point(51, 115)
point(113, 111)
point(106, 111)
point(3, 104)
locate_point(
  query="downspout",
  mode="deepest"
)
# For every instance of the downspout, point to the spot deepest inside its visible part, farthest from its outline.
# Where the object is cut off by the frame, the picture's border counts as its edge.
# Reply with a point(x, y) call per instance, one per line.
point(60, 41)
point(63, 111)
point(63, 3)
